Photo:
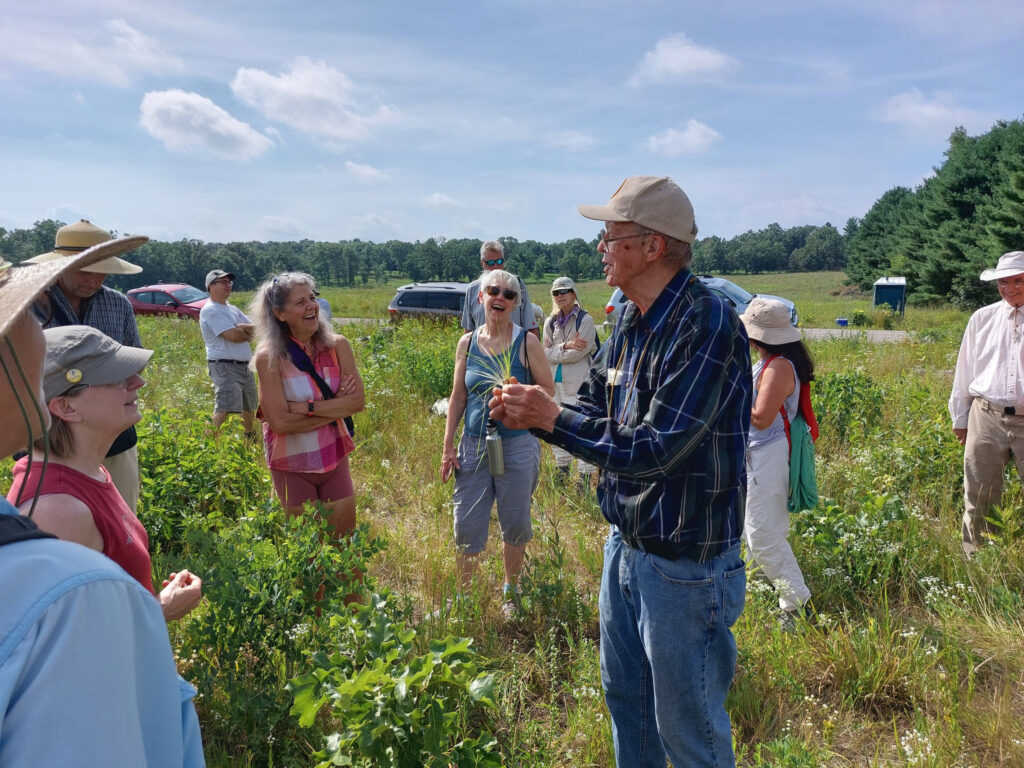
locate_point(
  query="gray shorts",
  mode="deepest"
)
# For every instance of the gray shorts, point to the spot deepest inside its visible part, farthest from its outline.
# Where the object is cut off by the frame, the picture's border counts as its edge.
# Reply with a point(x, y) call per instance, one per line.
point(476, 491)
point(234, 387)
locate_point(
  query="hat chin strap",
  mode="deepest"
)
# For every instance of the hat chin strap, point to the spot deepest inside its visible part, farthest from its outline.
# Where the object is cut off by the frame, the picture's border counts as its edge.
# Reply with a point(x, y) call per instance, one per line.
point(28, 424)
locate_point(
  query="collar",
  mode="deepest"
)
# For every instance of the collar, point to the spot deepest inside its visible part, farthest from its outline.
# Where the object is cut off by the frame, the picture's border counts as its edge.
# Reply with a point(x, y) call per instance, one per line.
point(657, 314)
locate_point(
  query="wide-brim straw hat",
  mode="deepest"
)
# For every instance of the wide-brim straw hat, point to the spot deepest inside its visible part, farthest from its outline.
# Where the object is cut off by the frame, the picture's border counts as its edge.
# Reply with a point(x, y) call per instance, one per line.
point(21, 285)
point(79, 237)
point(1009, 264)
point(767, 322)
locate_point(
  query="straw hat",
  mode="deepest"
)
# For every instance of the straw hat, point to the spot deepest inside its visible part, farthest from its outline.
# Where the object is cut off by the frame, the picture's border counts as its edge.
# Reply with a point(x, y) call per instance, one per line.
point(767, 322)
point(21, 285)
point(80, 236)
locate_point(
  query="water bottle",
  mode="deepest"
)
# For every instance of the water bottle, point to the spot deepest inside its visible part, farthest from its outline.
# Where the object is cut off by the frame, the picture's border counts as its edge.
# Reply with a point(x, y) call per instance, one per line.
point(495, 451)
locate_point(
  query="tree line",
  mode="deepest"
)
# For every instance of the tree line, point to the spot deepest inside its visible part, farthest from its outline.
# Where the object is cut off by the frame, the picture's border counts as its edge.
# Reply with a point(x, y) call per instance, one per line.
point(356, 262)
point(942, 234)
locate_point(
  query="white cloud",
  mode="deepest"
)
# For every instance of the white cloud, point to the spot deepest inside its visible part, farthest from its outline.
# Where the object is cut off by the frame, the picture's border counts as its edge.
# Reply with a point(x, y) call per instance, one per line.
point(694, 138)
point(118, 61)
point(364, 172)
point(676, 58)
point(311, 97)
point(572, 141)
point(188, 122)
point(441, 200)
point(933, 118)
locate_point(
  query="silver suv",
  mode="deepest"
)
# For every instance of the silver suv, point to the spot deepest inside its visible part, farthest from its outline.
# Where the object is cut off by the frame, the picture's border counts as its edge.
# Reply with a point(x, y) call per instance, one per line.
point(428, 300)
point(733, 295)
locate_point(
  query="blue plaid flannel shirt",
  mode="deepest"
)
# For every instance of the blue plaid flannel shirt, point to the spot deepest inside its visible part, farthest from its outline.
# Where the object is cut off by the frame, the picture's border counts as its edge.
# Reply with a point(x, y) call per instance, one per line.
point(666, 413)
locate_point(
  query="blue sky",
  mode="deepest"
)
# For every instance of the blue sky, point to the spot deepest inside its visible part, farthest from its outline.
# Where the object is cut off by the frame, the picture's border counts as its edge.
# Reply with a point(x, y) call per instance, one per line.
point(337, 119)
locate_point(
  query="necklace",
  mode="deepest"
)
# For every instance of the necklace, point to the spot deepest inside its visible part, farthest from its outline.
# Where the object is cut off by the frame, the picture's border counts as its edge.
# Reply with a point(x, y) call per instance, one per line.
point(631, 384)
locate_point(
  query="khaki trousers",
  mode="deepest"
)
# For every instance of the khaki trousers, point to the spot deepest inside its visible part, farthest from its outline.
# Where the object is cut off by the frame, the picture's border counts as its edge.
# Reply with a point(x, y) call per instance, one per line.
point(992, 438)
point(124, 471)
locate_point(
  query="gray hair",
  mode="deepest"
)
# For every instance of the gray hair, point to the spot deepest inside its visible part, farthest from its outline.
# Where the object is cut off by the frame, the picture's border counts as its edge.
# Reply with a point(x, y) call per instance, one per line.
point(271, 333)
point(492, 245)
point(502, 279)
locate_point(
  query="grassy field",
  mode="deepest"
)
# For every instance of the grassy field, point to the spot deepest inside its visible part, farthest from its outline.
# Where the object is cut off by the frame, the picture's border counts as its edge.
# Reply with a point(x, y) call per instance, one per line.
point(810, 291)
point(914, 657)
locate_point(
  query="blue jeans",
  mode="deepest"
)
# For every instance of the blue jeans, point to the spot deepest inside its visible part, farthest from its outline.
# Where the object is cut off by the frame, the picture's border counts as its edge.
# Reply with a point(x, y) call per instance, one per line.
point(668, 655)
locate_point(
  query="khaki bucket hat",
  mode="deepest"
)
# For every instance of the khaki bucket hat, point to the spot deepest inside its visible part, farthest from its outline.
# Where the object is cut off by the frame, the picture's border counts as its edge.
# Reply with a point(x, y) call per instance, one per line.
point(79, 237)
point(21, 285)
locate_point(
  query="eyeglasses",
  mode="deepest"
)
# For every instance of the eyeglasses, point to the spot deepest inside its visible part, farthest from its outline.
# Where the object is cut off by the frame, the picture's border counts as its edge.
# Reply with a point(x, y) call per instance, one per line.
point(508, 293)
point(222, 281)
point(494, 262)
point(603, 236)
point(561, 292)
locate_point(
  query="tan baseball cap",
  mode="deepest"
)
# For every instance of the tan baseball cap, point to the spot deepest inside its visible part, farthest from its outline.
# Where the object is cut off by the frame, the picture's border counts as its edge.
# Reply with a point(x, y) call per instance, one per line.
point(655, 202)
point(79, 237)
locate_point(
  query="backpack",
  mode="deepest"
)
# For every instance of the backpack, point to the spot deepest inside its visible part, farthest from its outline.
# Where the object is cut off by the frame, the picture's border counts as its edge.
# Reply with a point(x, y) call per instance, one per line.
point(801, 434)
point(550, 324)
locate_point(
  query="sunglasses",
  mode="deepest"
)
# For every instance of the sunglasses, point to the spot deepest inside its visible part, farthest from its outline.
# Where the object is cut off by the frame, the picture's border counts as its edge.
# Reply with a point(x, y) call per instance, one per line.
point(561, 292)
point(494, 262)
point(508, 293)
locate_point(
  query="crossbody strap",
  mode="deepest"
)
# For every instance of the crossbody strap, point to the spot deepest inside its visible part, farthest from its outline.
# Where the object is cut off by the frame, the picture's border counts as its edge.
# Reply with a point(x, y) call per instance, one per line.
point(782, 409)
point(303, 363)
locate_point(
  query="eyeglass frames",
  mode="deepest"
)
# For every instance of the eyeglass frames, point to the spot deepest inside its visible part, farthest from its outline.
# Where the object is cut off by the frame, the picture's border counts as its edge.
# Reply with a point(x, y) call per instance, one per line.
point(494, 262)
point(603, 236)
point(508, 293)
point(561, 292)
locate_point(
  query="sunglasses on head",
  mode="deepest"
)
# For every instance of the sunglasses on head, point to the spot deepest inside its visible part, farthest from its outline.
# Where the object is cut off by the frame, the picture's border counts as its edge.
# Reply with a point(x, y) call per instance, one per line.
point(508, 293)
point(561, 292)
point(494, 262)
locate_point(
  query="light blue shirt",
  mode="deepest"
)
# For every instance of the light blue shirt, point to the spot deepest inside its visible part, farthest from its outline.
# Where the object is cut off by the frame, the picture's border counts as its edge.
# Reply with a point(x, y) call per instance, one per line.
point(87, 677)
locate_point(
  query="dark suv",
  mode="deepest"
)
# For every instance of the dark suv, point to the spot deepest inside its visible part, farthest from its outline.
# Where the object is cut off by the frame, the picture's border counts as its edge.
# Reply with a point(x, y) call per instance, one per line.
point(428, 300)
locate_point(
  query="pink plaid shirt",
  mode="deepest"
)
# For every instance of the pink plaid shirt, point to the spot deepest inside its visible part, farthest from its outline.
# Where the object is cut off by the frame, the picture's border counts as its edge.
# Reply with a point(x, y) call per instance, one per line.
point(319, 450)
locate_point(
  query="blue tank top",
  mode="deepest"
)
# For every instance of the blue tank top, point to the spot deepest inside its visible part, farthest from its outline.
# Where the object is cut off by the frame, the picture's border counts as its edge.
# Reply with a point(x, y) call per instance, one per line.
point(481, 371)
point(777, 429)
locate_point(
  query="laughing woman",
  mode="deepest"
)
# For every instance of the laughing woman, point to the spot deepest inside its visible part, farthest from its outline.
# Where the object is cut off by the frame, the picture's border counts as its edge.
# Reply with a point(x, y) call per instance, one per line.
point(308, 384)
point(484, 358)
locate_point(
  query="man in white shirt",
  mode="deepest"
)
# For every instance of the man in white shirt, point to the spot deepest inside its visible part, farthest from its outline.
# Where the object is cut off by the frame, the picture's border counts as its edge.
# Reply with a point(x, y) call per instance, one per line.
point(492, 256)
point(226, 332)
point(987, 402)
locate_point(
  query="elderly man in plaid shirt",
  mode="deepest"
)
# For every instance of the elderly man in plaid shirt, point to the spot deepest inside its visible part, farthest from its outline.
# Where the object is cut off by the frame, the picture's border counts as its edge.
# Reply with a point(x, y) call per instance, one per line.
point(665, 414)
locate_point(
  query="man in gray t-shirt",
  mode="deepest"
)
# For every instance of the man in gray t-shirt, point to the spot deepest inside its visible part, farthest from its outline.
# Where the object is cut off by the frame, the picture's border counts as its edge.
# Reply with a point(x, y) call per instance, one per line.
point(226, 333)
point(492, 256)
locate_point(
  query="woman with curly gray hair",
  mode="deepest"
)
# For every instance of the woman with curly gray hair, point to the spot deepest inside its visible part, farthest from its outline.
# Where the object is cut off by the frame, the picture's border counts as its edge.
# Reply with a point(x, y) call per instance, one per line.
point(308, 384)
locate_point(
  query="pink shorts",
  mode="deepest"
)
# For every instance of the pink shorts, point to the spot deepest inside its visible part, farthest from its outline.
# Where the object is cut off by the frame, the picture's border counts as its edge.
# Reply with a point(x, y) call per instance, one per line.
point(295, 488)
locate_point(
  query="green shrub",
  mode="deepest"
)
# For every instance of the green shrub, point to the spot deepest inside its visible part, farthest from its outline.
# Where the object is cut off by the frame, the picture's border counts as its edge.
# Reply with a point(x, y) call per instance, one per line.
point(392, 706)
point(270, 583)
point(187, 474)
point(847, 404)
point(415, 356)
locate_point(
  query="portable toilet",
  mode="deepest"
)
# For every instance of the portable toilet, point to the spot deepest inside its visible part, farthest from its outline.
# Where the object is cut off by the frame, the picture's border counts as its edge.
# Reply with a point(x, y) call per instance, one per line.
point(891, 291)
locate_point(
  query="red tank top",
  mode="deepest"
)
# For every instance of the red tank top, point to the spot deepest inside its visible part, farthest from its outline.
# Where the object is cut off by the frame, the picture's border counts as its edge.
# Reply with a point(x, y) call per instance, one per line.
point(124, 539)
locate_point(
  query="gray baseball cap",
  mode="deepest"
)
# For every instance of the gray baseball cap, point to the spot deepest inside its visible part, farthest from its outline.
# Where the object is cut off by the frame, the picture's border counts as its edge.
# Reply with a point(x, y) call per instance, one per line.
point(217, 274)
point(80, 355)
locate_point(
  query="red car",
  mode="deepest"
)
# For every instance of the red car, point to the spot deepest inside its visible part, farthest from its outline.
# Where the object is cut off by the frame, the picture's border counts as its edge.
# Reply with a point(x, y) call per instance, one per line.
point(168, 299)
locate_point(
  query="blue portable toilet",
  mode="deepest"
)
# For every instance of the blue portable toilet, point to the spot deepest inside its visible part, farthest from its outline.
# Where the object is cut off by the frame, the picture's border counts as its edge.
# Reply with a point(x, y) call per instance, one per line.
point(891, 291)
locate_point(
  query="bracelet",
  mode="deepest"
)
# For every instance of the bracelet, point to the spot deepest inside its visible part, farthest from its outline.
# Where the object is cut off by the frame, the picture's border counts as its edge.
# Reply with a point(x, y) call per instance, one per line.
point(309, 408)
